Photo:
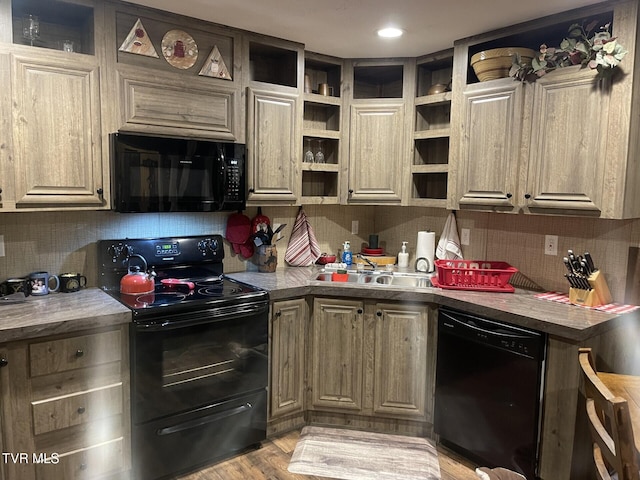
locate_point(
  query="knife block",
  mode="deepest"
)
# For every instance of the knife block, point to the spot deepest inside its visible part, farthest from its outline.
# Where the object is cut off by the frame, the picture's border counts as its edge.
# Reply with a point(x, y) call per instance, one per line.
point(598, 295)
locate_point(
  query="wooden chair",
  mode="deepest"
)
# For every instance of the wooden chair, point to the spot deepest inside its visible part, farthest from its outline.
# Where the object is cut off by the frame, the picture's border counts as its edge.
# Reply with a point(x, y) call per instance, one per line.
point(610, 425)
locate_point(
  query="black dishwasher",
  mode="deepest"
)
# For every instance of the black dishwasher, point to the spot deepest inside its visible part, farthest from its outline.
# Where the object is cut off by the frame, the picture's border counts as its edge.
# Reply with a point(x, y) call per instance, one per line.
point(489, 378)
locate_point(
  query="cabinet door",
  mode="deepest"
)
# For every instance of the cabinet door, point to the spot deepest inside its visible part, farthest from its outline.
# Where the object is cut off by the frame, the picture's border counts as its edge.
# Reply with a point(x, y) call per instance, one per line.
point(400, 360)
point(336, 358)
point(273, 147)
point(376, 153)
point(57, 136)
point(288, 328)
point(7, 196)
point(568, 153)
point(489, 146)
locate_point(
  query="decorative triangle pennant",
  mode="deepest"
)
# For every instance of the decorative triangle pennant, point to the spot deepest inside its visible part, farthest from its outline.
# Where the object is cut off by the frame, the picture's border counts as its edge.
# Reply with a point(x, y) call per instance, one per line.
point(138, 42)
point(214, 66)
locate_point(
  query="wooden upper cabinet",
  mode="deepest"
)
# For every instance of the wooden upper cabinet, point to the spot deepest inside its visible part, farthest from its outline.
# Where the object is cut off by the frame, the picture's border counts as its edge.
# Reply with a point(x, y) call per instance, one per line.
point(376, 149)
point(56, 133)
point(564, 144)
point(272, 152)
point(570, 118)
point(157, 94)
point(490, 128)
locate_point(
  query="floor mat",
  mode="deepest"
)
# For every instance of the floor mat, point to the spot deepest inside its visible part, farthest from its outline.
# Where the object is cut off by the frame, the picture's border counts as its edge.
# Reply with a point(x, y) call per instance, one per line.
point(354, 455)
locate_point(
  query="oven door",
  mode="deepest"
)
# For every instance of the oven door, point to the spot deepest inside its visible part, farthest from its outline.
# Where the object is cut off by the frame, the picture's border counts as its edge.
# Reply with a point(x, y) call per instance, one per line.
point(190, 361)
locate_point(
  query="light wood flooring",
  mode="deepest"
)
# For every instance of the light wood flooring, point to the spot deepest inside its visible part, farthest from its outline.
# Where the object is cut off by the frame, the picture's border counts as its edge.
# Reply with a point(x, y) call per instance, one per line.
point(271, 461)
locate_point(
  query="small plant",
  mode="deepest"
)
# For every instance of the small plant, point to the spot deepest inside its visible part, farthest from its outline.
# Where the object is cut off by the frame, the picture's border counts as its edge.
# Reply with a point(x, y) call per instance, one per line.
point(598, 50)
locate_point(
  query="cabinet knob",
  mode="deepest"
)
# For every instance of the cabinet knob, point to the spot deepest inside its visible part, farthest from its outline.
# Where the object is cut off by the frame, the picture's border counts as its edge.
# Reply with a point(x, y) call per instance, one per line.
point(379, 313)
point(81, 410)
point(351, 191)
point(252, 190)
point(4, 362)
point(527, 196)
point(278, 313)
point(359, 311)
point(509, 195)
point(99, 191)
point(79, 353)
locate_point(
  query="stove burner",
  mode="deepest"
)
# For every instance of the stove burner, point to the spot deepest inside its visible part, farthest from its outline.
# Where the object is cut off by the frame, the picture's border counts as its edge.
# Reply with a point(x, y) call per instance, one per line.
point(219, 290)
point(161, 298)
point(209, 282)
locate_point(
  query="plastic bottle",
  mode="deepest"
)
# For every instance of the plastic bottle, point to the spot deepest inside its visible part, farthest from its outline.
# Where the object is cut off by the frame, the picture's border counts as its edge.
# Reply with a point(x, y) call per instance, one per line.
point(347, 256)
point(403, 256)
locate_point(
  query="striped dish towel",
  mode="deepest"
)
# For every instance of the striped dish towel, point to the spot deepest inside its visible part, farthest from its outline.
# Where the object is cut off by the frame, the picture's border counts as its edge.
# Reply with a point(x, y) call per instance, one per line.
point(303, 249)
point(609, 308)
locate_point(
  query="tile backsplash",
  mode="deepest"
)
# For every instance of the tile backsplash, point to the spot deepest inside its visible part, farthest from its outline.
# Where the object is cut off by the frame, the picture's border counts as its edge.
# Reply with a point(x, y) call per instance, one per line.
point(66, 241)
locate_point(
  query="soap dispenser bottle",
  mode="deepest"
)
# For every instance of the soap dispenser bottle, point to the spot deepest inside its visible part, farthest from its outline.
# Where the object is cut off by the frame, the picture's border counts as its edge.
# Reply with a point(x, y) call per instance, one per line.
point(347, 256)
point(403, 256)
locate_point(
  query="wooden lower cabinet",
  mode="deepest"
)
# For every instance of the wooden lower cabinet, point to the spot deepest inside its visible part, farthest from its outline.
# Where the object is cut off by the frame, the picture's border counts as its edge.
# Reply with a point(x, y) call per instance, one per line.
point(65, 406)
point(372, 359)
point(288, 330)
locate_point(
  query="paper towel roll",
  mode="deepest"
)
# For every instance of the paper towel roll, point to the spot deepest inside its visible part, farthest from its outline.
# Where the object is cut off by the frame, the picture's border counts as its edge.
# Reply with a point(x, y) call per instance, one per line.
point(426, 247)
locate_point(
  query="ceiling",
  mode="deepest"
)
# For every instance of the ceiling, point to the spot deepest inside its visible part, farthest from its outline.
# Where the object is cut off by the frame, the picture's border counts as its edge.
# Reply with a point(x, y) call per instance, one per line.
point(347, 28)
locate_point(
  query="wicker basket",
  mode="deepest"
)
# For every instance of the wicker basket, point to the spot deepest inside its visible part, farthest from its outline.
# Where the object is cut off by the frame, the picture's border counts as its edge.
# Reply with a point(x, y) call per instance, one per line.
point(496, 63)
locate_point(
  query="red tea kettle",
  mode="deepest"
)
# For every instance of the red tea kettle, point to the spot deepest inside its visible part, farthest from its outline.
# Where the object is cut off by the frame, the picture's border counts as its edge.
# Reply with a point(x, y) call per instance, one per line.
point(137, 282)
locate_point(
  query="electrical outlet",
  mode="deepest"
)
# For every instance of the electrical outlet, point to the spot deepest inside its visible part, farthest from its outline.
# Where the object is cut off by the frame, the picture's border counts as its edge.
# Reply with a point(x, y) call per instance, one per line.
point(354, 227)
point(464, 236)
point(551, 245)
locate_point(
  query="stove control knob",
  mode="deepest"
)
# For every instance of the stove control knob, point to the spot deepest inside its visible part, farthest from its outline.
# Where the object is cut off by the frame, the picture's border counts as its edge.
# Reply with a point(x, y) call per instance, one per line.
point(202, 246)
point(213, 245)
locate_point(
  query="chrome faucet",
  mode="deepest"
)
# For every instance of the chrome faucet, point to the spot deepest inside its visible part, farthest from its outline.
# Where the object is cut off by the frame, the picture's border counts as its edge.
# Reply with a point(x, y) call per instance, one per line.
point(373, 265)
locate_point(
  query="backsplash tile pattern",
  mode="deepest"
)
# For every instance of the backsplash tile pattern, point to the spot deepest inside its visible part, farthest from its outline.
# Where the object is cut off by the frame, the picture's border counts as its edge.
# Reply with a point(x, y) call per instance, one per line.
point(65, 241)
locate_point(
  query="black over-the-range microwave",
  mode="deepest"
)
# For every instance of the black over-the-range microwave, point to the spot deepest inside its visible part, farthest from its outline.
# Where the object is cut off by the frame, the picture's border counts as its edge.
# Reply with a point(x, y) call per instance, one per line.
point(158, 174)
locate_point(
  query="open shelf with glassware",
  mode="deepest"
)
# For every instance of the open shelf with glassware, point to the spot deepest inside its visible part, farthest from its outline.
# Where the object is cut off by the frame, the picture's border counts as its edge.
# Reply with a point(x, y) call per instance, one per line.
point(54, 25)
point(430, 165)
point(321, 129)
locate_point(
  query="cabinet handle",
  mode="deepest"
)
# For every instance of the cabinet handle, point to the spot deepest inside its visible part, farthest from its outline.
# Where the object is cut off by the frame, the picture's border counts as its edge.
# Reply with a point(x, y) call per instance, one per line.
point(359, 311)
point(4, 362)
point(527, 196)
point(379, 313)
point(81, 410)
point(79, 353)
point(509, 195)
point(99, 191)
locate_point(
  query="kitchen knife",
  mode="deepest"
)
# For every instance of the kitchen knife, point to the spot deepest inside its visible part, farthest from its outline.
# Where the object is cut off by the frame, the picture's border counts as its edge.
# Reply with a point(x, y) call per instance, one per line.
point(567, 263)
point(585, 268)
point(570, 279)
point(592, 267)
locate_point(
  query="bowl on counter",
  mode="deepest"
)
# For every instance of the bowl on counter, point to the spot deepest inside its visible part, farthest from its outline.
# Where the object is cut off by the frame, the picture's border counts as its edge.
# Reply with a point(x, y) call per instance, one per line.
point(326, 258)
point(496, 62)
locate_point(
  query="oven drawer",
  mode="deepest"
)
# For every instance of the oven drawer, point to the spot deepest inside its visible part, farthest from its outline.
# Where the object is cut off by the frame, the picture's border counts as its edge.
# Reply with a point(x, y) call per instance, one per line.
point(76, 409)
point(74, 352)
point(91, 462)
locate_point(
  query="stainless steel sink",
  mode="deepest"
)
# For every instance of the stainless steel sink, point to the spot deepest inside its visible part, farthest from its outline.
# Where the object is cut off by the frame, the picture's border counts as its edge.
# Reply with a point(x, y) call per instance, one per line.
point(380, 279)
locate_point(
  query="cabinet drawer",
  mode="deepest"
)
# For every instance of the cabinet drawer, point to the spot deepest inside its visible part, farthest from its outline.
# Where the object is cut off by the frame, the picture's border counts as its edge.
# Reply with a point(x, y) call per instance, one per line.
point(86, 463)
point(76, 352)
point(76, 409)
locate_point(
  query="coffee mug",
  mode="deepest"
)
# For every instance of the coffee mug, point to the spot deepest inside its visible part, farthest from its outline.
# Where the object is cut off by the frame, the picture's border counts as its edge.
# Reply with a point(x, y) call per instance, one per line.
point(325, 89)
point(40, 283)
point(15, 285)
point(72, 282)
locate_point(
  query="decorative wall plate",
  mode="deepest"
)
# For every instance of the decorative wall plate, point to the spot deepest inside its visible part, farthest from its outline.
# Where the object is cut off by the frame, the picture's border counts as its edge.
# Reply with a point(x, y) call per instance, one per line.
point(138, 42)
point(179, 49)
point(214, 66)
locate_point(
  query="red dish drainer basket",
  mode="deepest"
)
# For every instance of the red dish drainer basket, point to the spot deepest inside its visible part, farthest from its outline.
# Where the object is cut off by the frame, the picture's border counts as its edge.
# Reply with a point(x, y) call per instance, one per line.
point(478, 275)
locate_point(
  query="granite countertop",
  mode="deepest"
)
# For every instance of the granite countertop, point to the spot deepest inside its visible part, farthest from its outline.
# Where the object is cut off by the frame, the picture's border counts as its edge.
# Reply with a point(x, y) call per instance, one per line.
point(519, 308)
point(60, 313)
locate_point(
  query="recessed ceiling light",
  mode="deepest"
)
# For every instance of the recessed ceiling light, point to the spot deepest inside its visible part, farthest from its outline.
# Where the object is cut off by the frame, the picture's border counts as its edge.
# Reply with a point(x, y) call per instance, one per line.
point(390, 32)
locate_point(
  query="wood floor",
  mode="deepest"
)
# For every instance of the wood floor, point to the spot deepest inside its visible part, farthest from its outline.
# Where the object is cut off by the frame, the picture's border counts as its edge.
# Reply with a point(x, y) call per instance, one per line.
point(271, 461)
